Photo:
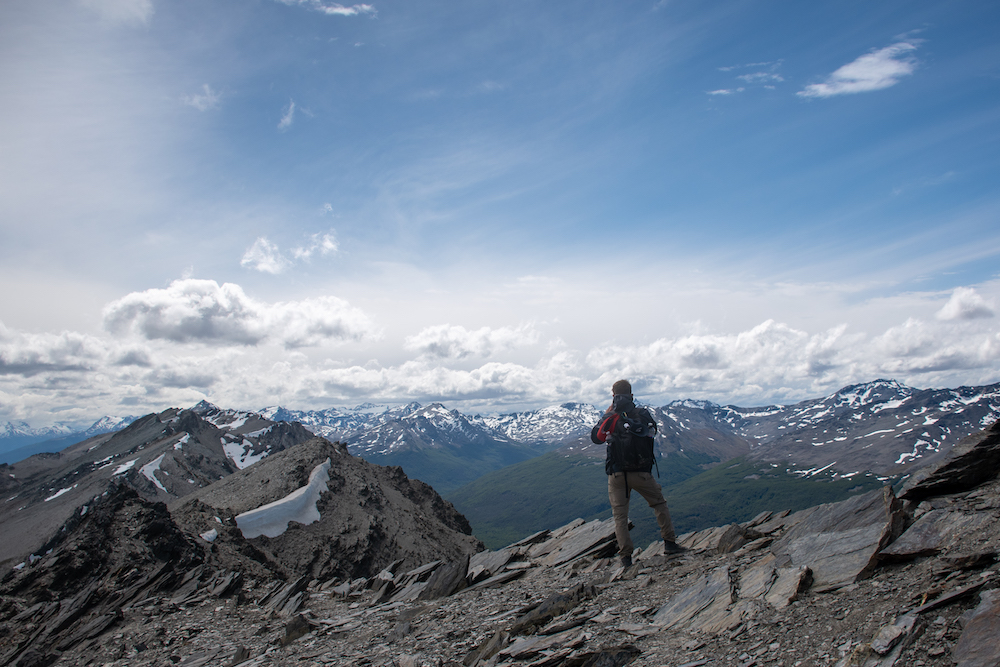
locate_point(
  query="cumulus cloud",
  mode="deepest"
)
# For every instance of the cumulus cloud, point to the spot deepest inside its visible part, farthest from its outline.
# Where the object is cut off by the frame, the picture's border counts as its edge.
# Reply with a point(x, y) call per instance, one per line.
point(122, 11)
point(205, 100)
point(445, 341)
point(199, 339)
point(30, 354)
point(877, 69)
point(965, 304)
point(203, 311)
point(264, 256)
point(332, 8)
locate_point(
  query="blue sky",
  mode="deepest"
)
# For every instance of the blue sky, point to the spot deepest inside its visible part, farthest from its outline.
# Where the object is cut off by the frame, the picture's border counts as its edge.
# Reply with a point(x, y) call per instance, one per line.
point(493, 205)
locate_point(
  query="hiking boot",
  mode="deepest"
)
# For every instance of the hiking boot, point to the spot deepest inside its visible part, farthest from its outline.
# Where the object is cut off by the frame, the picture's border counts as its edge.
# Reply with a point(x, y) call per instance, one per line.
point(672, 547)
point(626, 560)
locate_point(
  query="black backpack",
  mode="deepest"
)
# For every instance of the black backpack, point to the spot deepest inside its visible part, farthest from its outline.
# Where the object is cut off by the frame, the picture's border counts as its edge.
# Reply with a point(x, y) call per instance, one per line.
point(630, 443)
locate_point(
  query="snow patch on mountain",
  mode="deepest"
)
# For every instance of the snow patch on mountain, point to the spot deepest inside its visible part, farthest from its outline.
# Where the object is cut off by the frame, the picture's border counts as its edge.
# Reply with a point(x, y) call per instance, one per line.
point(299, 506)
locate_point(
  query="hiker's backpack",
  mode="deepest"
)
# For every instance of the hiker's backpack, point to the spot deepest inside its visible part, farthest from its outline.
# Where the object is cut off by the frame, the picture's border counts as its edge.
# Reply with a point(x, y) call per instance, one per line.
point(630, 441)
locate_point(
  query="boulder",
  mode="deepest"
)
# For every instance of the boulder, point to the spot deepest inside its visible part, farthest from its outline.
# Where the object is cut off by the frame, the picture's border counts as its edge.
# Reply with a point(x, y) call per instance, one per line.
point(839, 542)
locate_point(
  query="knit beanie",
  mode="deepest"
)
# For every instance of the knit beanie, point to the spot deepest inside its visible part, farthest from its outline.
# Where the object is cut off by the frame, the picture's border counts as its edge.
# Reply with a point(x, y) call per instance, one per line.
point(622, 387)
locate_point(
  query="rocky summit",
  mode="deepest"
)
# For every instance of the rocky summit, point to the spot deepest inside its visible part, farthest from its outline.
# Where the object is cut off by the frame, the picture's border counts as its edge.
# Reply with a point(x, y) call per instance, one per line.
point(877, 580)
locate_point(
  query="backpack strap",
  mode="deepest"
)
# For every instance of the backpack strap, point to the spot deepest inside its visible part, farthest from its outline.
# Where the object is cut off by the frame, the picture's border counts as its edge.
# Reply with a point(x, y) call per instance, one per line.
point(607, 427)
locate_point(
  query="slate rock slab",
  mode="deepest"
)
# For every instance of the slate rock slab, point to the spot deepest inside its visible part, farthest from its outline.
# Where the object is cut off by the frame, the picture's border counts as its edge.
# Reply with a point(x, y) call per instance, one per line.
point(714, 591)
point(575, 543)
point(839, 542)
point(556, 604)
point(978, 645)
point(933, 532)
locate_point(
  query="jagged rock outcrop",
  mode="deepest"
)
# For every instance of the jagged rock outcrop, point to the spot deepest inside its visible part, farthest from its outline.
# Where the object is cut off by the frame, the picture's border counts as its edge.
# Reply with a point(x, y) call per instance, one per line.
point(972, 461)
point(368, 517)
point(162, 456)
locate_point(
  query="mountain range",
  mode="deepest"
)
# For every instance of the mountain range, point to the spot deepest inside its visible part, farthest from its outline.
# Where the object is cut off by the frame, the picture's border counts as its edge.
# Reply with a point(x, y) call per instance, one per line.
point(861, 435)
point(18, 440)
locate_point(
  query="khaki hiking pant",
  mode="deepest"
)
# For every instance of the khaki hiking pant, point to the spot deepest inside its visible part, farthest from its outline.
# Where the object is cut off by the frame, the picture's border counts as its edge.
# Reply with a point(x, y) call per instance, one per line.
point(646, 485)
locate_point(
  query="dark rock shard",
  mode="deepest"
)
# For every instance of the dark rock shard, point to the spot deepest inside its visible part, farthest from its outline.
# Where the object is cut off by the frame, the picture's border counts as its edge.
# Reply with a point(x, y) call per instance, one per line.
point(611, 657)
point(931, 533)
point(978, 645)
point(446, 580)
point(556, 604)
point(298, 626)
point(974, 460)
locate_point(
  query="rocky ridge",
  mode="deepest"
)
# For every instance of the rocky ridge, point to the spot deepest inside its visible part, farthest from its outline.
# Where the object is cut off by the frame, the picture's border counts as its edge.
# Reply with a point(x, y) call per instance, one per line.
point(162, 456)
point(877, 580)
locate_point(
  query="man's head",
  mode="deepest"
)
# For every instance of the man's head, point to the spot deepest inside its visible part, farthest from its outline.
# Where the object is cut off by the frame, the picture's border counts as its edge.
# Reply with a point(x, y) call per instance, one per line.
point(621, 388)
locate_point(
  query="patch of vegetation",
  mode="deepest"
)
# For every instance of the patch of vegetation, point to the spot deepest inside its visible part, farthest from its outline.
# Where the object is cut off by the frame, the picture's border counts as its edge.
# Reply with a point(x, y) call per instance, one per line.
point(447, 470)
point(551, 490)
point(547, 492)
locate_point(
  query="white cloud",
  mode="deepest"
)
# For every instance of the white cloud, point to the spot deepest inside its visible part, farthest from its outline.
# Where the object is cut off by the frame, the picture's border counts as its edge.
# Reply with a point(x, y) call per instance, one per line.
point(761, 77)
point(875, 70)
point(198, 339)
point(445, 341)
point(121, 11)
point(324, 244)
point(332, 8)
point(965, 304)
point(204, 311)
point(265, 257)
point(289, 116)
point(205, 100)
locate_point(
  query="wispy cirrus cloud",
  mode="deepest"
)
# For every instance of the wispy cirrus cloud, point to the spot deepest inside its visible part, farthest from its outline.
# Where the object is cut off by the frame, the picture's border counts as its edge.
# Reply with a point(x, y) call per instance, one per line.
point(288, 117)
point(763, 74)
point(122, 11)
point(332, 8)
point(205, 100)
point(877, 69)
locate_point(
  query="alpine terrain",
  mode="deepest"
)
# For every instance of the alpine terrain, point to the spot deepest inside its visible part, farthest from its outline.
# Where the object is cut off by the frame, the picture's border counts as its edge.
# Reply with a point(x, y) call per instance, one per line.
point(311, 556)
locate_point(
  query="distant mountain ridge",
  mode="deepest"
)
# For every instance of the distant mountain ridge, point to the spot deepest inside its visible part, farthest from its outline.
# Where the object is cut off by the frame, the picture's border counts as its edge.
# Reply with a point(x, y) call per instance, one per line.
point(18, 440)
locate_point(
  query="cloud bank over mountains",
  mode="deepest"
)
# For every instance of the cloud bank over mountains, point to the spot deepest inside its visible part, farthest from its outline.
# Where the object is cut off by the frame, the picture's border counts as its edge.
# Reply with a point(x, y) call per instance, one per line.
point(319, 203)
point(198, 339)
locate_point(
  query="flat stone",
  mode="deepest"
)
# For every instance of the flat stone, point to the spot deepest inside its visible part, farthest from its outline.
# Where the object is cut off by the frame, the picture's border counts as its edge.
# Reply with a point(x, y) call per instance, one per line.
point(839, 541)
point(837, 558)
point(575, 543)
point(932, 532)
point(713, 590)
point(485, 564)
point(978, 645)
point(788, 586)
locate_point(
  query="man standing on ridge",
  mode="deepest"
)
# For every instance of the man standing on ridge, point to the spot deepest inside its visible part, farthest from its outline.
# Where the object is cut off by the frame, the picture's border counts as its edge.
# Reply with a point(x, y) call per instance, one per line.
point(628, 432)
